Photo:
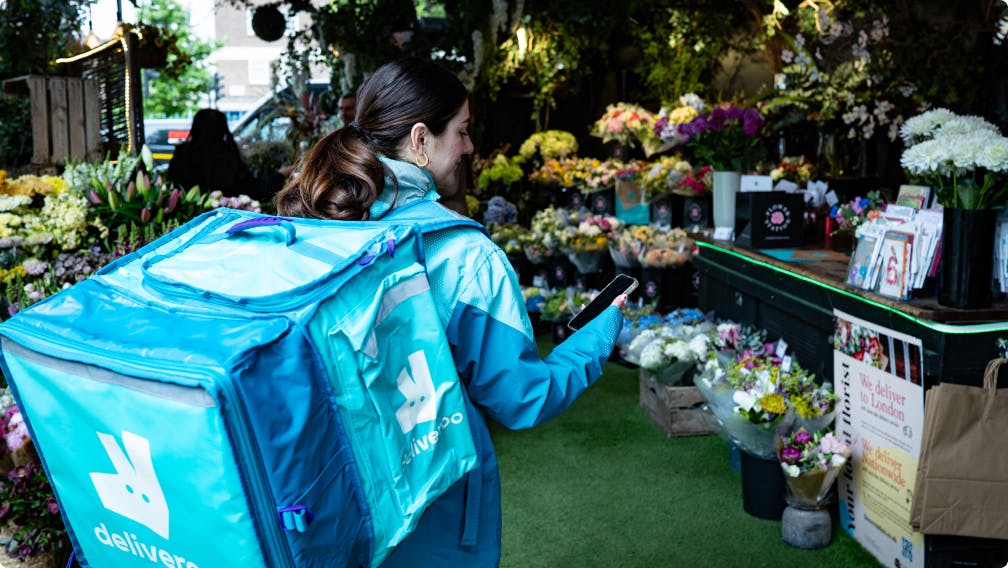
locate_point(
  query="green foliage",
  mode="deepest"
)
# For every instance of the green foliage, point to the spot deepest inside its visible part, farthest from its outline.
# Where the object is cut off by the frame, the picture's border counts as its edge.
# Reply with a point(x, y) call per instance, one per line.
point(34, 33)
point(123, 192)
point(15, 131)
point(681, 49)
point(175, 90)
point(548, 62)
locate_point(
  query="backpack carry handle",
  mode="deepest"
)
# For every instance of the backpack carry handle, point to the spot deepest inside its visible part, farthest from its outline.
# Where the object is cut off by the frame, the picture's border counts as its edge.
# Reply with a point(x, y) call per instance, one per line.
point(265, 222)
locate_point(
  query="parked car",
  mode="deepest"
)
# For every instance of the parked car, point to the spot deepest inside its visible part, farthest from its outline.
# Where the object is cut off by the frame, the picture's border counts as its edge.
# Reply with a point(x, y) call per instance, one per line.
point(270, 120)
point(163, 134)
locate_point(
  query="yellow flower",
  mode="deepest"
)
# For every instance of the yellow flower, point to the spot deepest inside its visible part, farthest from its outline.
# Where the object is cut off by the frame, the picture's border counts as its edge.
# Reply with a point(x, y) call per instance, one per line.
point(773, 403)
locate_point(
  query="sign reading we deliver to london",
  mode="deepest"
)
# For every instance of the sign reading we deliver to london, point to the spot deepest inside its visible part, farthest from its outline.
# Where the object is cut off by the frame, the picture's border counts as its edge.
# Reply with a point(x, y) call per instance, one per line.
point(878, 379)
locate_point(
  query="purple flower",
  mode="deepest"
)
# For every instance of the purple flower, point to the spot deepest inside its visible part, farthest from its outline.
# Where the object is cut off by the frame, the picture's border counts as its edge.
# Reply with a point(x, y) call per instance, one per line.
point(790, 455)
point(173, 200)
point(52, 506)
point(802, 437)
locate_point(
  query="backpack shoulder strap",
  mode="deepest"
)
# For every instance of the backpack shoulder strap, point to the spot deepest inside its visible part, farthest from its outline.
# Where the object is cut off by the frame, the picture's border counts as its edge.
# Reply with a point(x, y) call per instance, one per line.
point(430, 216)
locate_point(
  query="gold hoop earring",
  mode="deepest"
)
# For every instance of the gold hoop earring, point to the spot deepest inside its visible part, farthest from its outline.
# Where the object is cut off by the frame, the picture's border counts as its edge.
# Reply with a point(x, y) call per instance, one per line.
point(424, 157)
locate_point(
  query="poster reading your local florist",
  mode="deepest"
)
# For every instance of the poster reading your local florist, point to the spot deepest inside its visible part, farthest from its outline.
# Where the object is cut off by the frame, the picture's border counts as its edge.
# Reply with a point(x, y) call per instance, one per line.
point(878, 379)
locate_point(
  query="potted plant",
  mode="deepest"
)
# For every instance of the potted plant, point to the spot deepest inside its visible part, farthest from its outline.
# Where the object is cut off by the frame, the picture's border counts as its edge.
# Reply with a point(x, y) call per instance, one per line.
point(964, 158)
point(727, 138)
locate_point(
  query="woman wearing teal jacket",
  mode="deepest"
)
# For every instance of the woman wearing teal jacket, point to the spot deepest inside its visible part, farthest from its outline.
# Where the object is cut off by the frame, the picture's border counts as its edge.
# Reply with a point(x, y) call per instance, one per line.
point(402, 153)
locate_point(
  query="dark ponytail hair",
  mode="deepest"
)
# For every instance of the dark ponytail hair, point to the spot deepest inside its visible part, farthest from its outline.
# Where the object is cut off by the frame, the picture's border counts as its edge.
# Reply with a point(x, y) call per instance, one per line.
point(341, 176)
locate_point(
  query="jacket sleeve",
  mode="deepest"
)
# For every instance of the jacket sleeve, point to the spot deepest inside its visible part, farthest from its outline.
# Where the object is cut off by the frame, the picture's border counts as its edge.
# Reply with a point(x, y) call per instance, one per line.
point(498, 358)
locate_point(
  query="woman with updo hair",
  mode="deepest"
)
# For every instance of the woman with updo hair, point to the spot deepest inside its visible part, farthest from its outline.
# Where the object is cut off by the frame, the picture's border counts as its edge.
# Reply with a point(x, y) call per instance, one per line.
point(407, 144)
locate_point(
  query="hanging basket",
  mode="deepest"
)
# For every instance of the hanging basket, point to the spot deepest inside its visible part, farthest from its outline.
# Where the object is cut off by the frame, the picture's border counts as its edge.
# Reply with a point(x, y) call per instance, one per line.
point(268, 23)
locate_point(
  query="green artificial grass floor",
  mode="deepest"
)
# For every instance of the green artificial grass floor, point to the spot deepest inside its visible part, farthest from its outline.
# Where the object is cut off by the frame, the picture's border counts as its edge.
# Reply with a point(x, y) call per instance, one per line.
point(601, 485)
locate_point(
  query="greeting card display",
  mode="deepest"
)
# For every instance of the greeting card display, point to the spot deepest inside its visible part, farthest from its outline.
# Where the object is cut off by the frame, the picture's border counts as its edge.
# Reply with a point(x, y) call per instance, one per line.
point(897, 260)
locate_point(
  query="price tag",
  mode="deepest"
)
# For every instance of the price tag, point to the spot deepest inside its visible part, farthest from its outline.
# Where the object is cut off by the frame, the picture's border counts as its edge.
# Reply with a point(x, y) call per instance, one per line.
point(785, 364)
point(831, 198)
point(724, 233)
point(781, 348)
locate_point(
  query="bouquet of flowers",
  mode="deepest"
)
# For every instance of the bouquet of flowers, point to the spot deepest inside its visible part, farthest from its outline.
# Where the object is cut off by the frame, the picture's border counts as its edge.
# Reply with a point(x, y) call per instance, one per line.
point(727, 137)
point(750, 395)
point(499, 171)
point(541, 241)
point(603, 176)
point(629, 125)
point(697, 182)
point(964, 158)
point(586, 242)
point(562, 306)
point(669, 353)
point(811, 462)
point(667, 123)
point(847, 217)
point(548, 144)
point(500, 211)
point(561, 172)
point(792, 168)
point(636, 319)
point(665, 248)
point(660, 176)
point(627, 243)
point(29, 507)
point(508, 236)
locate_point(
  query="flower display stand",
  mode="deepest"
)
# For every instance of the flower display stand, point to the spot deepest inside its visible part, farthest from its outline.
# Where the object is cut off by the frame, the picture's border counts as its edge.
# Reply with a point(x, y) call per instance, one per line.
point(806, 528)
point(763, 487)
point(670, 287)
point(666, 210)
point(696, 212)
point(678, 410)
point(602, 202)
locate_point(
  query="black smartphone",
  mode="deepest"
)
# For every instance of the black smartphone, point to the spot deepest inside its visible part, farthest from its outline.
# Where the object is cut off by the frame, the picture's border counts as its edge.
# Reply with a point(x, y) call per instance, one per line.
point(622, 284)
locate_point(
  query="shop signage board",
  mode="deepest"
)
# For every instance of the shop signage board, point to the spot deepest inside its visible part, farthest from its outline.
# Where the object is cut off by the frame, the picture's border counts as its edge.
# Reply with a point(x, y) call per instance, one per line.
point(878, 379)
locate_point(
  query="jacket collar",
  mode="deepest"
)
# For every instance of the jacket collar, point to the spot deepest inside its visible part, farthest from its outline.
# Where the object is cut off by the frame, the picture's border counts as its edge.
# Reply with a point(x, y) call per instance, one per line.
point(415, 183)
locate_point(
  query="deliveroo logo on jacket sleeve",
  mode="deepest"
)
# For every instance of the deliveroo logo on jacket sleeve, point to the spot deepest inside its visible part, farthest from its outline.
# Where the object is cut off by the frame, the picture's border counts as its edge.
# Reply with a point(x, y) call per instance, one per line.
point(416, 384)
point(133, 490)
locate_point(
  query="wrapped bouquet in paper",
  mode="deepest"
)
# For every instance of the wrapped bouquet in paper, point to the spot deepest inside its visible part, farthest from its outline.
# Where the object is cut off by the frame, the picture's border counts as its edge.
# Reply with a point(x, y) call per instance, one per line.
point(627, 243)
point(811, 462)
point(760, 391)
point(540, 243)
point(667, 248)
point(670, 353)
point(587, 242)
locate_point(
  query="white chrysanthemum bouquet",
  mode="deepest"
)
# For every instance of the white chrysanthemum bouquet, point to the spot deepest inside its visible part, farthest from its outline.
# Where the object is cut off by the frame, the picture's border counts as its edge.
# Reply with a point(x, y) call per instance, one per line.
point(964, 158)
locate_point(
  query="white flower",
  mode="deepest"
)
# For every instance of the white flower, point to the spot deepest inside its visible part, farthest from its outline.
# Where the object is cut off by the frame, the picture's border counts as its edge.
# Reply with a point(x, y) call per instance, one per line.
point(791, 470)
point(837, 460)
point(744, 399)
point(699, 346)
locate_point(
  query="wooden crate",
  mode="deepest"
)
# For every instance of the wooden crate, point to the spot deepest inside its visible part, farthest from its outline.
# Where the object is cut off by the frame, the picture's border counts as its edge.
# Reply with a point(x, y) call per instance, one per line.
point(676, 410)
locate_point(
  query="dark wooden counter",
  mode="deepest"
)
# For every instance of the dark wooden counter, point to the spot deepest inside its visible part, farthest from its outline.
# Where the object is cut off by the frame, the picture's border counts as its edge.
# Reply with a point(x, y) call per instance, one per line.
point(795, 300)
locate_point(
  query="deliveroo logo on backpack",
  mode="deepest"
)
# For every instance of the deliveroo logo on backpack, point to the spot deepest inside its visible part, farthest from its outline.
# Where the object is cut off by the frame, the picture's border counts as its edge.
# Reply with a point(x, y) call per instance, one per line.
point(421, 398)
point(133, 490)
point(416, 384)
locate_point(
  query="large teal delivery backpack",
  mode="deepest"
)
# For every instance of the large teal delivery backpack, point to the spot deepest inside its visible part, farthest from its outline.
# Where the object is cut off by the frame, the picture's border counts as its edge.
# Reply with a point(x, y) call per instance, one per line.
point(246, 391)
